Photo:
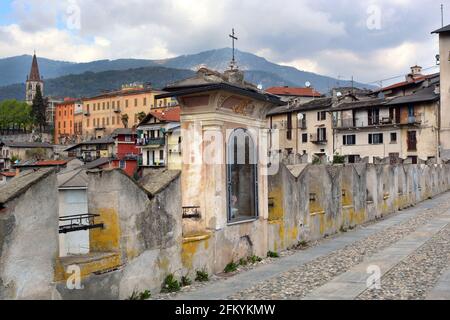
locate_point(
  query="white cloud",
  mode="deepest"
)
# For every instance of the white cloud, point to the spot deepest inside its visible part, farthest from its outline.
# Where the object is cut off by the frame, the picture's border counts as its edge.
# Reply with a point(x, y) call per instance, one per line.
point(49, 43)
point(319, 36)
point(309, 65)
point(370, 67)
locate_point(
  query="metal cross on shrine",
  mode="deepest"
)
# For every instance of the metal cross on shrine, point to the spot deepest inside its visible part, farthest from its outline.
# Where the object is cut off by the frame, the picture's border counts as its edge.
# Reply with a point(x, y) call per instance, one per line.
point(233, 38)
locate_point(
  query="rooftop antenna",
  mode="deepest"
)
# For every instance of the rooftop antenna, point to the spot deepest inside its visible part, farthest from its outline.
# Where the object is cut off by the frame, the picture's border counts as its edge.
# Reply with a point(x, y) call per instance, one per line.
point(339, 80)
point(442, 15)
point(353, 86)
point(233, 38)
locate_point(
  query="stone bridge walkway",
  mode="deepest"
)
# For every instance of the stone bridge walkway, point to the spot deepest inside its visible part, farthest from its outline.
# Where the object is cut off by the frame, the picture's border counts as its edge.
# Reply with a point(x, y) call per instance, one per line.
point(410, 250)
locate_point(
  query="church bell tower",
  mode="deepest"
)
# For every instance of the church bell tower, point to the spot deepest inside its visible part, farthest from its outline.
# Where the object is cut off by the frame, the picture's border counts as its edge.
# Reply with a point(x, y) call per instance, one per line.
point(33, 81)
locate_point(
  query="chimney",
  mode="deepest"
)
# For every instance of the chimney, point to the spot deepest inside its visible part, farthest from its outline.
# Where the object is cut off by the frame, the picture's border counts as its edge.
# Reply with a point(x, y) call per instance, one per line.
point(336, 95)
point(416, 71)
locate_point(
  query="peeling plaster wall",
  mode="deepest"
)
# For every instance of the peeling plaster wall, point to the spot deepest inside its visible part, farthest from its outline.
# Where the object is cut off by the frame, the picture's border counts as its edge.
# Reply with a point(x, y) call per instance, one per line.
point(149, 237)
point(29, 242)
point(143, 242)
point(309, 202)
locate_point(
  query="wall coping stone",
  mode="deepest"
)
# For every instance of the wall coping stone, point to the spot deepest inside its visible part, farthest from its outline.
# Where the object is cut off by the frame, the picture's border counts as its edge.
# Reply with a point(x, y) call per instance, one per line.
point(19, 185)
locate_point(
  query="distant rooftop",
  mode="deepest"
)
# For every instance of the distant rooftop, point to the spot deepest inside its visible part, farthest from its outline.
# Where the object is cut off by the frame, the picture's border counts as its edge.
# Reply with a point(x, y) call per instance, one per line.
point(30, 145)
point(414, 80)
point(169, 115)
point(291, 91)
point(317, 104)
point(126, 91)
point(96, 163)
point(104, 140)
point(442, 30)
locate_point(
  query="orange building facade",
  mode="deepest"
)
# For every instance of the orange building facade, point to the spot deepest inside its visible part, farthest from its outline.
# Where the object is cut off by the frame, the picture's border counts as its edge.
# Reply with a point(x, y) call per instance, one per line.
point(66, 130)
point(124, 108)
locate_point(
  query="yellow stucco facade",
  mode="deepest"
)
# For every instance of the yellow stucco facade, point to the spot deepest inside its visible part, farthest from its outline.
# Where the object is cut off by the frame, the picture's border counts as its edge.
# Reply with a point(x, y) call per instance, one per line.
point(105, 113)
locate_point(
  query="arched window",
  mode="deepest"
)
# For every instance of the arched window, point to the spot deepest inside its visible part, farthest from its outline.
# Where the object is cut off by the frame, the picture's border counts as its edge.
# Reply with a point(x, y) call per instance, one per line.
point(242, 176)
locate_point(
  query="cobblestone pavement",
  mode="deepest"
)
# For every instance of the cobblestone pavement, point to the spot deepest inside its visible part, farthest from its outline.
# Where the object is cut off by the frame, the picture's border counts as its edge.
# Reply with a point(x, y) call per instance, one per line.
point(297, 283)
point(415, 276)
point(411, 278)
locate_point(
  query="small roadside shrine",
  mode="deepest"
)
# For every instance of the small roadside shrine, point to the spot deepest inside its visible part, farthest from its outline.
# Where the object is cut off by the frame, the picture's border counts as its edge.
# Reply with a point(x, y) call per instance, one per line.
point(224, 171)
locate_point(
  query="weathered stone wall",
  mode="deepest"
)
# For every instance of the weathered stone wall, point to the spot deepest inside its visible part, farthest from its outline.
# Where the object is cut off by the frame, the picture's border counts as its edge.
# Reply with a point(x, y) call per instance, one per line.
point(308, 202)
point(142, 228)
point(142, 241)
point(29, 236)
point(27, 137)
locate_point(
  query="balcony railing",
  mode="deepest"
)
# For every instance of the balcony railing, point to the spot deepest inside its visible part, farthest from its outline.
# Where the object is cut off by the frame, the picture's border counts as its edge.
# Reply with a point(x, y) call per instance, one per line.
point(317, 139)
point(151, 142)
point(175, 148)
point(357, 123)
point(80, 222)
point(160, 164)
point(347, 123)
point(302, 125)
point(414, 120)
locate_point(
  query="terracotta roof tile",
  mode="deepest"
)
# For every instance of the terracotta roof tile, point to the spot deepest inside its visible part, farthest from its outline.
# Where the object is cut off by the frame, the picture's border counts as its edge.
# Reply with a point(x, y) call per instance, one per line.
point(50, 163)
point(291, 91)
point(170, 115)
point(416, 80)
point(8, 174)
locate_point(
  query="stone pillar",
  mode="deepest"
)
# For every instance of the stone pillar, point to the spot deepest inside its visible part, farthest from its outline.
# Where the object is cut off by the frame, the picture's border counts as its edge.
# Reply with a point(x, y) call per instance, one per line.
point(214, 164)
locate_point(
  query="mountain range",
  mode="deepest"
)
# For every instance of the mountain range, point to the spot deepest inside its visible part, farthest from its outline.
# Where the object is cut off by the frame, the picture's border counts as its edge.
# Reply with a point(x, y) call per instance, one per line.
point(63, 79)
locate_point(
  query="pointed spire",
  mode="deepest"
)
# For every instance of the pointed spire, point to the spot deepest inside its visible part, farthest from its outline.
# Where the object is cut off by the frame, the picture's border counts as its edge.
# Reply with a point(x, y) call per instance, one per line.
point(34, 73)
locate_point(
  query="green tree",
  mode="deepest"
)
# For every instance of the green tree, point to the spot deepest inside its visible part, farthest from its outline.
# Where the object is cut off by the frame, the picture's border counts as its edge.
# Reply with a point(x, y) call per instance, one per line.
point(125, 119)
point(36, 154)
point(338, 159)
point(141, 116)
point(15, 115)
point(38, 109)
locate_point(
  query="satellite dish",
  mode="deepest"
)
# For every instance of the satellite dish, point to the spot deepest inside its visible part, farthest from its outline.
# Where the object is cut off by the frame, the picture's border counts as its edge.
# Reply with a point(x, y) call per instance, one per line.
point(300, 116)
point(308, 84)
point(339, 94)
point(260, 86)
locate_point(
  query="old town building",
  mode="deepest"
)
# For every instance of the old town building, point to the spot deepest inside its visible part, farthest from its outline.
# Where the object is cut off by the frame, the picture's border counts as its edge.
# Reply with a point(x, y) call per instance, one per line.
point(444, 61)
point(400, 121)
point(302, 130)
point(124, 108)
point(67, 130)
point(11, 152)
point(159, 138)
point(93, 149)
point(119, 150)
point(400, 127)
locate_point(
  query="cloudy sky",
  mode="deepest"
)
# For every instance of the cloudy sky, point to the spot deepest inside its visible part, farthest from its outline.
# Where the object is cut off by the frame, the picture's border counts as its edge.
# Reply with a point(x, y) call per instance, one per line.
point(372, 40)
